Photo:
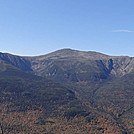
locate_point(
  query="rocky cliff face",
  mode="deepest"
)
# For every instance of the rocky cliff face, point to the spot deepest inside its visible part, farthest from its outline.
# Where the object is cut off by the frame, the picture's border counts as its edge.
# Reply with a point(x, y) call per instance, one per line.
point(122, 65)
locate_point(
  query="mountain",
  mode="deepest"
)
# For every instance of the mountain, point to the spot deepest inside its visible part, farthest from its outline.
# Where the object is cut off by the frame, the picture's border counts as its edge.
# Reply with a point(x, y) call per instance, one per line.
point(73, 65)
point(67, 91)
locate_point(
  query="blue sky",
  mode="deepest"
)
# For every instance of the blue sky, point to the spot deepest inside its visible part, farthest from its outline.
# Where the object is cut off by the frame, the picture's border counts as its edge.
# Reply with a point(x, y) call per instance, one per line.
point(36, 27)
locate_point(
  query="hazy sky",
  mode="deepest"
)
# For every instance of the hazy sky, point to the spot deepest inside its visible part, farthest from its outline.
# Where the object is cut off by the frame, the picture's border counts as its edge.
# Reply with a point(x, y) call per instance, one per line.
point(35, 27)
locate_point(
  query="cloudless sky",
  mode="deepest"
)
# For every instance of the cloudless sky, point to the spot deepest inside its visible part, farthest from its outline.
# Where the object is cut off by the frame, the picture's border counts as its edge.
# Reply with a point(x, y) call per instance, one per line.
point(36, 27)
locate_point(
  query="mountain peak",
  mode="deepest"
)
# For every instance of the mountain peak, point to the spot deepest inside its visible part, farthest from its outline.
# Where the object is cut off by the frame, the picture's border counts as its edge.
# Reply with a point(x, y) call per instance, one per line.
point(71, 53)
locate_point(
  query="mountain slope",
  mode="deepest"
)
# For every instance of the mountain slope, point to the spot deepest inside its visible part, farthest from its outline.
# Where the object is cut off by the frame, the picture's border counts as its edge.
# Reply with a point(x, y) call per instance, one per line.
point(17, 61)
point(21, 84)
point(22, 93)
point(117, 98)
point(31, 104)
point(96, 91)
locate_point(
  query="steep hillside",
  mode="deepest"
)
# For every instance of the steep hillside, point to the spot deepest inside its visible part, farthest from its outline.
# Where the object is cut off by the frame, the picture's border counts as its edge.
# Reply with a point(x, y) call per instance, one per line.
point(22, 93)
point(17, 61)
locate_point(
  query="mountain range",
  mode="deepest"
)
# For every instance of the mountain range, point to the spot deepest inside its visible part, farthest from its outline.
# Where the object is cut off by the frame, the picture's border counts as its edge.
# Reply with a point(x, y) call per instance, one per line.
point(67, 92)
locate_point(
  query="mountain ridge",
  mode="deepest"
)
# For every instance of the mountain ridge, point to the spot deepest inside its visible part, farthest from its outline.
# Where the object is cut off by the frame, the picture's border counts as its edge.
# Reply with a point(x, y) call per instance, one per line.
point(65, 49)
point(50, 64)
